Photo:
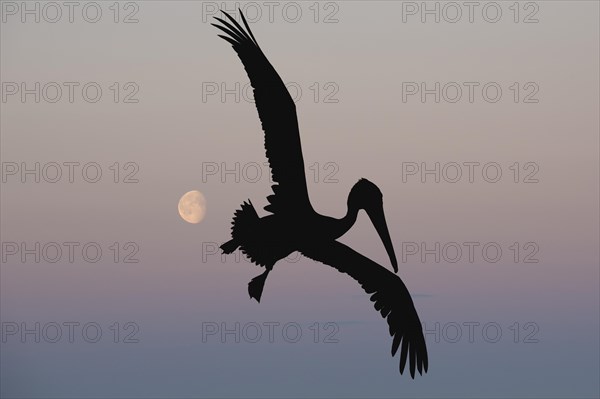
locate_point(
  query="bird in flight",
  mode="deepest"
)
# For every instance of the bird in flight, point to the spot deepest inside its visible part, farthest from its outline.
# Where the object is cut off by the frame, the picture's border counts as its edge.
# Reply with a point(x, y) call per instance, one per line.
point(293, 224)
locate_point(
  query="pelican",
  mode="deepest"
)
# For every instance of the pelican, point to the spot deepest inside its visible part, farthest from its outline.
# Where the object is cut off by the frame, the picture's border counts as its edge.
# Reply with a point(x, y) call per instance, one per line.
point(293, 224)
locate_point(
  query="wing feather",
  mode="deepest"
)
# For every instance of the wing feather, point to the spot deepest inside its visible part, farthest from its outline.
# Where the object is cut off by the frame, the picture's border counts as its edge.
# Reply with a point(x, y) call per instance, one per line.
point(391, 298)
point(277, 113)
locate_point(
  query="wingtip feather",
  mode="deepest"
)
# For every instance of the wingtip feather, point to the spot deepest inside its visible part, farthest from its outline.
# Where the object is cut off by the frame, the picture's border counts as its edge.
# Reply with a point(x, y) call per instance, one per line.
point(230, 40)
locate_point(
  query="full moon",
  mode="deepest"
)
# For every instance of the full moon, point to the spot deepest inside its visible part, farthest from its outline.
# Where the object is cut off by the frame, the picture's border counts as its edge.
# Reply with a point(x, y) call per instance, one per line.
point(192, 206)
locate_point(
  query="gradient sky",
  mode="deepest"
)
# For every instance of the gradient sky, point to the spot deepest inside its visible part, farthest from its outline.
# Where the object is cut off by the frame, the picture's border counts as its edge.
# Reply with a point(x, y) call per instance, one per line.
point(173, 135)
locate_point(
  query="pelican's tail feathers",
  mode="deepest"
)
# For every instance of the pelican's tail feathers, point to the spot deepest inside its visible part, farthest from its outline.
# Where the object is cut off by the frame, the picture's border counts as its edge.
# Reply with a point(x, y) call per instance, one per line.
point(246, 216)
point(244, 222)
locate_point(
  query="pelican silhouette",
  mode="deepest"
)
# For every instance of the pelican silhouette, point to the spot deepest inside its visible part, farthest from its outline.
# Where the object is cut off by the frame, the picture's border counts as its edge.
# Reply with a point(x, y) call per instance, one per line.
point(294, 225)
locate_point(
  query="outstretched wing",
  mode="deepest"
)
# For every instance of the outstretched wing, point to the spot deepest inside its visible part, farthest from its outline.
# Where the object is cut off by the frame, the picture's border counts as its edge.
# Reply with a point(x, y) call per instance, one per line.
point(390, 295)
point(277, 112)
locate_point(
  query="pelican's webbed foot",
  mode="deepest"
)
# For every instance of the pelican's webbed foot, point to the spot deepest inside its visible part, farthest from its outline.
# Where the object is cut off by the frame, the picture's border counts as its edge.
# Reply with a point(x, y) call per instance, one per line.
point(256, 285)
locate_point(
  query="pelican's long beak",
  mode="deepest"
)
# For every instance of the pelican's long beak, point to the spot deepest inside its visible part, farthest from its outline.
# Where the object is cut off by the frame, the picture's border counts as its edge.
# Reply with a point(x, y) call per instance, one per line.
point(378, 219)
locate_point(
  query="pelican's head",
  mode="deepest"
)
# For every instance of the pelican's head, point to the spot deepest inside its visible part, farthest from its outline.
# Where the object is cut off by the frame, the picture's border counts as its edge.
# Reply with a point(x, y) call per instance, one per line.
point(366, 195)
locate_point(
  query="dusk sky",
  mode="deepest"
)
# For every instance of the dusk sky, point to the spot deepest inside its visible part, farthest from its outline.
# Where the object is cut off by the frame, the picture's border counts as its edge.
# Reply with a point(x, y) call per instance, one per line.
point(481, 130)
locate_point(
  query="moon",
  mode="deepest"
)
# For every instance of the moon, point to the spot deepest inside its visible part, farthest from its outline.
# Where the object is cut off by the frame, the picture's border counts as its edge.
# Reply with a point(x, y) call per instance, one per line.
point(192, 206)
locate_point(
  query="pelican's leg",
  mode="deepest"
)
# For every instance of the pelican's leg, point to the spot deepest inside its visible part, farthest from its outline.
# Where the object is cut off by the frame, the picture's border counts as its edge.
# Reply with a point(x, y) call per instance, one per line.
point(229, 246)
point(256, 285)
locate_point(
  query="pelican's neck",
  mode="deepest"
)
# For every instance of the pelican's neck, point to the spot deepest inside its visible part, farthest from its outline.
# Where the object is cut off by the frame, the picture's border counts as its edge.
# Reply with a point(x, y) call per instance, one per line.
point(348, 221)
